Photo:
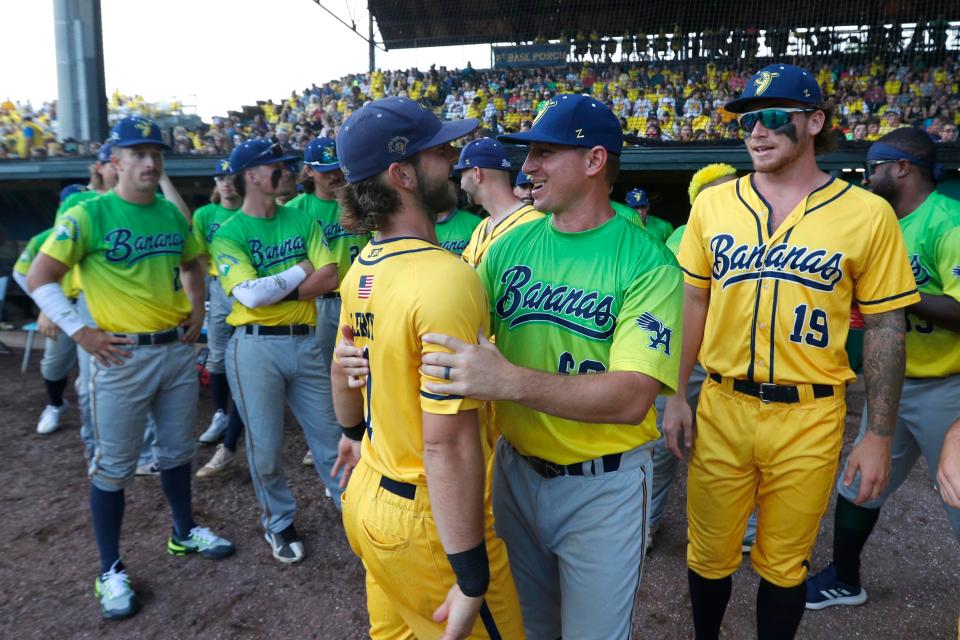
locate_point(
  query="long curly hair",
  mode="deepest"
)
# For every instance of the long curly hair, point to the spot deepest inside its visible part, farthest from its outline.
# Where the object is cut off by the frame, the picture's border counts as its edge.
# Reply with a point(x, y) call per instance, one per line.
point(366, 205)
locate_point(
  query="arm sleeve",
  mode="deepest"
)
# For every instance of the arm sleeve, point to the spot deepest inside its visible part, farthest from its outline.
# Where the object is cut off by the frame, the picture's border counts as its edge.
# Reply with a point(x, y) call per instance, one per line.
point(462, 315)
point(694, 257)
point(884, 280)
point(268, 289)
point(948, 263)
point(650, 327)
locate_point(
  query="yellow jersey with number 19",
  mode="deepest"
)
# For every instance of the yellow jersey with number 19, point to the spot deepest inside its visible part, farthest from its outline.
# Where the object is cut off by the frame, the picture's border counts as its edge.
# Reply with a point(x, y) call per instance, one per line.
point(780, 298)
point(396, 291)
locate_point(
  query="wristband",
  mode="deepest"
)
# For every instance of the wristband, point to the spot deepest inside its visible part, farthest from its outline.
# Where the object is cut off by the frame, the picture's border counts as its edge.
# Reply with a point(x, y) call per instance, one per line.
point(472, 570)
point(53, 302)
point(355, 433)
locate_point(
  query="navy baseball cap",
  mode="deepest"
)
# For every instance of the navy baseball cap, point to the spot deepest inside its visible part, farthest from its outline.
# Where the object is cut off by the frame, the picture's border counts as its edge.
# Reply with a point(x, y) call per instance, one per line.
point(223, 168)
point(134, 130)
point(637, 198)
point(321, 155)
point(778, 82)
point(485, 153)
point(574, 121)
point(391, 130)
point(254, 153)
point(69, 190)
point(104, 152)
point(522, 179)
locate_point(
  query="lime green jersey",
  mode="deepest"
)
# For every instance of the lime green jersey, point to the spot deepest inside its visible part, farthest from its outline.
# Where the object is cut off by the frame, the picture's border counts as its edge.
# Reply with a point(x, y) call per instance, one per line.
point(607, 299)
point(246, 248)
point(29, 253)
point(128, 256)
point(673, 242)
point(74, 199)
point(455, 231)
point(659, 229)
point(344, 245)
point(206, 220)
point(932, 237)
point(627, 213)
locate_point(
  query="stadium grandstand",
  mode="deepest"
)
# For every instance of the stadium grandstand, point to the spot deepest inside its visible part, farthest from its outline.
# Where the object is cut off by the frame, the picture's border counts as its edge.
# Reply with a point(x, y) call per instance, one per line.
point(666, 69)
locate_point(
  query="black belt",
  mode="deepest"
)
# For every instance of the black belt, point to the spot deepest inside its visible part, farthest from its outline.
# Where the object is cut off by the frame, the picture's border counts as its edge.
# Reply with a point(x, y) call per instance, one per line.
point(769, 392)
point(397, 488)
point(547, 469)
point(148, 339)
point(279, 330)
point(332, 294)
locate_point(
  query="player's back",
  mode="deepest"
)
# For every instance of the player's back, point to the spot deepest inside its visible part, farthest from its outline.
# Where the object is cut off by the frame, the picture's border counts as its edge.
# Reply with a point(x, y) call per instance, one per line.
point(396, 291)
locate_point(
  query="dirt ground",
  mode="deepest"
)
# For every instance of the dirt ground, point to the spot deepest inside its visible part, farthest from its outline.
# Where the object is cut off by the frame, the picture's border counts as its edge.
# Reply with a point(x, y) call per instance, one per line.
point(911, 568)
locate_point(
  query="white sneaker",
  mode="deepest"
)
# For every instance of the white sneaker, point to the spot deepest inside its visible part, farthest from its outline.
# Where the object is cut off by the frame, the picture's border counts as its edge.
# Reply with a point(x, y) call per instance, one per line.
point(147, 470)
point(50, 418)
point(308, 459)
point(221, 459)
point(217, 426)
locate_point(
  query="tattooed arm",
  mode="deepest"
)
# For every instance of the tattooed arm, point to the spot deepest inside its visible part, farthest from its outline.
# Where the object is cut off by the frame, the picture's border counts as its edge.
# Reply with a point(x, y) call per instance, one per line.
point(884, 360)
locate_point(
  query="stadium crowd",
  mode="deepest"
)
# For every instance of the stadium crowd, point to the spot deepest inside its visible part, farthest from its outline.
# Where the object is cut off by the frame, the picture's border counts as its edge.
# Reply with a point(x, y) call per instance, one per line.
point(663, 101)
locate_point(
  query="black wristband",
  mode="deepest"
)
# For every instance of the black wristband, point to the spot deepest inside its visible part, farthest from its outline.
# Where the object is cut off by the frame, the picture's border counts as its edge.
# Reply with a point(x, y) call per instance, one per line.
point(472, 569)
point(355, 433)
point(293, 295)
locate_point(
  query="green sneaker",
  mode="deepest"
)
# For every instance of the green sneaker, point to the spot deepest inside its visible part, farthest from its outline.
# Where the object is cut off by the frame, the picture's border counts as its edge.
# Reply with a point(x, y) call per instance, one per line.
point(202, 541)
point(112, 589)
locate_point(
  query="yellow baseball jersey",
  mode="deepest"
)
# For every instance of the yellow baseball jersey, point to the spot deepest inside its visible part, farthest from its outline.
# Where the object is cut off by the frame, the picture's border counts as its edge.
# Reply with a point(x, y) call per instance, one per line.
point(483, 237)
point(932, 237)
point(606, 299)
point(396, 291)
point(780, 298)
point(247, 248)
point(128, 257)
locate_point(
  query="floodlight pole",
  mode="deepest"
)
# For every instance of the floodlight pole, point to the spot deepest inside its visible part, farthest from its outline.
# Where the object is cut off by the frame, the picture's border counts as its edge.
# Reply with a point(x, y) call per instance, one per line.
point(370, 42)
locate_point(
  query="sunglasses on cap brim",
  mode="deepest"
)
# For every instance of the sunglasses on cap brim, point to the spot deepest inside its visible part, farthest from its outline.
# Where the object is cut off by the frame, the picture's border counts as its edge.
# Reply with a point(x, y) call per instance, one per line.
point(275, 151)
point(770, 118)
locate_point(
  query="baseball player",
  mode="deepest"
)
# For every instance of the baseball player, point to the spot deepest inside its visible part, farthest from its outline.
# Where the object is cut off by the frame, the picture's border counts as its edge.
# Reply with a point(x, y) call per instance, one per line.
point(103, 178)
point(144, 289)
point(226, 422)
point(522, 188)
point(273, 261)
point(638, 201)
point(484, 170)
point(664, 462)
point(772, 262)
point(579, 292)
point(902, 169)
point(323, 169)
point(454, 228)
point(417, 508)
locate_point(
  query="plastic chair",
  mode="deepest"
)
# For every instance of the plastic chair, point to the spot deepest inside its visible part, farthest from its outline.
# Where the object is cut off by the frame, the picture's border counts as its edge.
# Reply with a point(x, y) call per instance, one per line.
point(31, 329)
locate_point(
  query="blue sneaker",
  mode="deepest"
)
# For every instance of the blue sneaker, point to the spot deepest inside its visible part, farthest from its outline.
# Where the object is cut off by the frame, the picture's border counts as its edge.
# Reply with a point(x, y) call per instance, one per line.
point(112, 589)
point(203, 541)
point(826, 590)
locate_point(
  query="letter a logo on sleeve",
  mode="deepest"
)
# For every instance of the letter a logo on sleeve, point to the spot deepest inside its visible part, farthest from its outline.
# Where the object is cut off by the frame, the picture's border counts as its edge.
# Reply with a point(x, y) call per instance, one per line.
point(661, 334)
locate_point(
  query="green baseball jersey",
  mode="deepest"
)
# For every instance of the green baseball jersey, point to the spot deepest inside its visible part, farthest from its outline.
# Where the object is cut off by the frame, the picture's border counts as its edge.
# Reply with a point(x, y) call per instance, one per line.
point(658, 228)
point(30, 252)
point(455, 231)
point(74, 199)
point(247, 248)
point(607, 299)
point(673, 242)
point(344, 245)
point(206, 220)
point(128, 256)
point(931, 234)
point(627, 213)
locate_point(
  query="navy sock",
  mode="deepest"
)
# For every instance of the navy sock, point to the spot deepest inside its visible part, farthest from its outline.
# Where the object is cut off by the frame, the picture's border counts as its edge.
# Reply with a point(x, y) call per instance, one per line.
point(851, 530)
point(55, 391)
point(176, 486)
point(709, 599)
point(220, 391)
point(106, 507)
point(234, 429)
point(779, 610)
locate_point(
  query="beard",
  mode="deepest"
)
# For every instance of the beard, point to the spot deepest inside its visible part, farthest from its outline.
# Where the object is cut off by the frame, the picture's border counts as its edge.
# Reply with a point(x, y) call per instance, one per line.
point(789, 153)
point(883, 186)
point(435, 196)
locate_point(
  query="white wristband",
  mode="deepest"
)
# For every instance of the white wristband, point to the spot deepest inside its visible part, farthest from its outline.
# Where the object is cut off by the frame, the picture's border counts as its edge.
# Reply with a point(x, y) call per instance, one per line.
point(53, 301)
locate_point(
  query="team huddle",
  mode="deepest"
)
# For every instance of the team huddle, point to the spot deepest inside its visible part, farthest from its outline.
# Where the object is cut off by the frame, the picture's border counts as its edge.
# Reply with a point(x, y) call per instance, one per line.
point(497, 406)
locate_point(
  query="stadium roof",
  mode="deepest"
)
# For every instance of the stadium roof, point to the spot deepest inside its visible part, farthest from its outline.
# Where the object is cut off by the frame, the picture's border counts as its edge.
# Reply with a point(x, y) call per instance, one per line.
point(427, 23)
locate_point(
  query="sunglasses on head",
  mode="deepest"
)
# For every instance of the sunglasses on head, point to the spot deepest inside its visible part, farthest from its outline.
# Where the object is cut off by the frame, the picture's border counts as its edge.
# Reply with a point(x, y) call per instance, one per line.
point(771, 118)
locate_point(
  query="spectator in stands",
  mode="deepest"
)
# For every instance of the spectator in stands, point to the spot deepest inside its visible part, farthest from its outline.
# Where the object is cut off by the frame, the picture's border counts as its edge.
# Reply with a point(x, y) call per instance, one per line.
point(948, 133)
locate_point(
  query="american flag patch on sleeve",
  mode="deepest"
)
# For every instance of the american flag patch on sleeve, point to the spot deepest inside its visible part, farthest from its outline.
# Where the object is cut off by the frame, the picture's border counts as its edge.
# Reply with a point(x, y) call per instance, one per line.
point(366, 287)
